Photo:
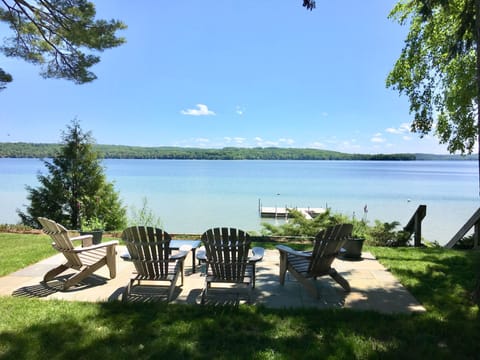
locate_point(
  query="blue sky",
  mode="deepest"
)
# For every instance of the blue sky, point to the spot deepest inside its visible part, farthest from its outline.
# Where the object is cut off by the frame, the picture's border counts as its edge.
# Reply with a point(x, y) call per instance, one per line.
point(246, 73)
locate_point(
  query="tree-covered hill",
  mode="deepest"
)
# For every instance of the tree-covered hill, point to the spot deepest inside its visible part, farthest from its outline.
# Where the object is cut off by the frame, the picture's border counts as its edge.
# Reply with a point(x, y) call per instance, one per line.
point(32, 150)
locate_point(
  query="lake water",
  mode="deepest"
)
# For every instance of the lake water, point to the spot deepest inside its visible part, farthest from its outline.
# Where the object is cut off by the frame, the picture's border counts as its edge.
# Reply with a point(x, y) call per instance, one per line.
point(193, 195)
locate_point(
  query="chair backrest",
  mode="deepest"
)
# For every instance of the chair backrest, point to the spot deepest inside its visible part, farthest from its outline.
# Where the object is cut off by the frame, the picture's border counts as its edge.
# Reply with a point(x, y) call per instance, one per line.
point(61, 240)
point(227, 250)
point(149, 250)
point(327, 246)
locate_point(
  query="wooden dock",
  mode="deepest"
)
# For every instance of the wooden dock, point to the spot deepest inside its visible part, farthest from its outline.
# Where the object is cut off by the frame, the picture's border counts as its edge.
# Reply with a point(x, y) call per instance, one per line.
point(282, 212)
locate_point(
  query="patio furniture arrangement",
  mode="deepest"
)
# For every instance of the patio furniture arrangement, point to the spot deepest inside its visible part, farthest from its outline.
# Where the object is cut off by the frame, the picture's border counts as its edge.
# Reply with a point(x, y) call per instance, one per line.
point(306, 266)
point(86, 259)
point(227, 259)
point(150, 252)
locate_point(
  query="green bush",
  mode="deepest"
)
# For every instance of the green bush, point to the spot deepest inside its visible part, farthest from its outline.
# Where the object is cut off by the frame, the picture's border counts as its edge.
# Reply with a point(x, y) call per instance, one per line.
point(384, 234)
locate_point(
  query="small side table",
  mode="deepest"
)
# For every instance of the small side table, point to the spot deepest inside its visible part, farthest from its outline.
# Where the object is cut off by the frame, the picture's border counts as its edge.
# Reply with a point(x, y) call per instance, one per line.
point(193, 244)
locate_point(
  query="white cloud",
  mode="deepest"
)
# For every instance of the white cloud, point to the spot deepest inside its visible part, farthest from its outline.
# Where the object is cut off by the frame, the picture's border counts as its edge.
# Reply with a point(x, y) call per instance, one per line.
point(402, 129)
point(202, 110)
point(277, 143)
point(407, 138)
point(317, 145)
point(239, 140)
point(286, 141)
point(377, 139)
point(202, 140)
point(392, 131)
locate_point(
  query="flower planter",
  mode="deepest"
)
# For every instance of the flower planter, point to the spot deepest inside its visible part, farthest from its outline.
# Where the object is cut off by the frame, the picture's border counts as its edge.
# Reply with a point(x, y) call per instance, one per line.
point(97, 235)
point(352, 249)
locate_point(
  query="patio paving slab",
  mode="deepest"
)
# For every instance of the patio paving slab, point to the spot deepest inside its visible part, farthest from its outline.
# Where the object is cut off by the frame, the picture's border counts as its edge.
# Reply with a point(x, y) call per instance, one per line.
point(373, 286)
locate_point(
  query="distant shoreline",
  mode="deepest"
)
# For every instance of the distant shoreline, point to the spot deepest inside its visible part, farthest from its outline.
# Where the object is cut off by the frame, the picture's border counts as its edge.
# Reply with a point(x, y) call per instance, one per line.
point(44, 150)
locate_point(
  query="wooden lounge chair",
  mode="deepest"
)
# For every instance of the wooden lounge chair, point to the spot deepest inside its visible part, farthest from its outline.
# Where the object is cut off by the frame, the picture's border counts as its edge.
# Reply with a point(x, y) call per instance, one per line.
point(227, 259)
point(149, 249)
point(307, 266)
point(86, 259)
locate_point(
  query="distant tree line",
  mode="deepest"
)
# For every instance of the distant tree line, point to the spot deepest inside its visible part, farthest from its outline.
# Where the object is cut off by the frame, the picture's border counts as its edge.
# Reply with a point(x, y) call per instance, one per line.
point(30, 150)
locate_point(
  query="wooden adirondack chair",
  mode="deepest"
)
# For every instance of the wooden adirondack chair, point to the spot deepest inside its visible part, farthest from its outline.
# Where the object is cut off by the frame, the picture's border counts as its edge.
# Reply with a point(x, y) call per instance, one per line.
point(227, 259)
point(86, 259)
point(149, 249)
point(307, 266)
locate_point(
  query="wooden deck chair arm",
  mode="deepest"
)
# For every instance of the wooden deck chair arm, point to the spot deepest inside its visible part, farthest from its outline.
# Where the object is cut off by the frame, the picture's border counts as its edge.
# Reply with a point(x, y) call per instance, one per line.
point(182, 254)
point(257, 254)
point(93, 247)
point(201, 254)
point(87, 240)
point(288, 250)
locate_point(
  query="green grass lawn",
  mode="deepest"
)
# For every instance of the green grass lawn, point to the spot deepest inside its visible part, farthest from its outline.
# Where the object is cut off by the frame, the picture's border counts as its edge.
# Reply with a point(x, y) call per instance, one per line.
point(441, 280)
point(20, 250)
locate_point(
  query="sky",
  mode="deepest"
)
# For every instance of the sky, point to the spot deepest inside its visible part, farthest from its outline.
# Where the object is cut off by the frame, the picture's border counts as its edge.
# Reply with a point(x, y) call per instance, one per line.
point(211, 74)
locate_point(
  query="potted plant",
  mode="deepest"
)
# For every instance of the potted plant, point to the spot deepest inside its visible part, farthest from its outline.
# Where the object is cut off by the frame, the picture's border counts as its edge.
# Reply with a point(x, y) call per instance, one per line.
point(93, 226)
point(352, 248)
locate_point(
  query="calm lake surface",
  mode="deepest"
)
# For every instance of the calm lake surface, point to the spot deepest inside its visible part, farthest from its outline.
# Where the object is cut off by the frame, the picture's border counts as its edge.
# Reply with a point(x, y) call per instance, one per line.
point(193, 195)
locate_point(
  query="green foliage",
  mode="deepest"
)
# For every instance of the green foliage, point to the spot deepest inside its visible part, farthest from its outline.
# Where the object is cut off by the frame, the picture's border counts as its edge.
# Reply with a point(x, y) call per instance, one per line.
point(144, 216)
point(442, 280)
point(76, 189)
point(92, 224)
point(60, 35)
point(298, 225)
point(437, 69)
point(381, 234)
point(20, 250)
point(385, 234)
point(29, 150)
point(466, 242)
point(4, 79)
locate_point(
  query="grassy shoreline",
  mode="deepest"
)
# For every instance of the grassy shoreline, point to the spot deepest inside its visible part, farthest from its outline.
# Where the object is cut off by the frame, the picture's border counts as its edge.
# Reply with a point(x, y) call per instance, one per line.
point(440, 279)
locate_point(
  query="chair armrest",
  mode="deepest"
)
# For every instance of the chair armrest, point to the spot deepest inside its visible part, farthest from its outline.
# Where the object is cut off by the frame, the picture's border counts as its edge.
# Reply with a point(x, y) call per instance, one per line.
point(126, 256)
point(257, 254)
point(288, 250)
point(201, 254)
point(98, 246)
point(179, 255)
point(86, 239)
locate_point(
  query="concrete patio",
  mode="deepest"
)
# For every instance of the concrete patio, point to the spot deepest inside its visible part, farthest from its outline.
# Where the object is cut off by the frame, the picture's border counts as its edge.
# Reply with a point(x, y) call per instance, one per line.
point(373, 287)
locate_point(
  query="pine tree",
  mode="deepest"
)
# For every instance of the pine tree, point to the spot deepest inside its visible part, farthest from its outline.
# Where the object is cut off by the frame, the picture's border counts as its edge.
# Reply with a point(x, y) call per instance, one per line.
point(76, 189)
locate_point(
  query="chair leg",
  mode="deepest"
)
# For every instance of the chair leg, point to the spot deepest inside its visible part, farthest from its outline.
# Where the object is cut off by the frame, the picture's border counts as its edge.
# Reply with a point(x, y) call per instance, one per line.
point(127, 291)
point(283, 267)
point(181, 271)
point(54, 272)
point(204, 291)
point(253, 275)
point(112, 261)
point(171, 289)
point(308, 283)
point(75, 279)
point(340, 279)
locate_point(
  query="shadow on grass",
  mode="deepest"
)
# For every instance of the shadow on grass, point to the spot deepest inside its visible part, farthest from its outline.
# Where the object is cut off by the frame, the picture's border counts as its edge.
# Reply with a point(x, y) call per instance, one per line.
point(140, 330)
point(53, 329)
point(442, 280)
point(44, 289)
